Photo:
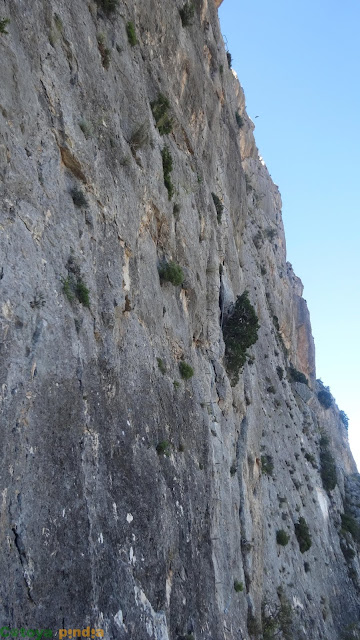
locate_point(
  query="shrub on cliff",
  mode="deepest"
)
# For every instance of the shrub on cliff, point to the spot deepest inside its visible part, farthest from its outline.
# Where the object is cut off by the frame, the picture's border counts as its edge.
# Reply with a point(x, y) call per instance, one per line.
point(267, 464)
point(276, 618)
point(348, 523)
point(75, 287)
point(297, 376)
point(218, 206)
point(109, 6)
point(238, 586)
point(159, 108)
point(3, 24)
point(131, 34)
point(78, 197)
point(167, 169)
point(344, 419)
point(171, 272)
point(187, 14)
point(239, 120)
point(186, 371)
point(282, 537)
point(325, 398)
point(240, 331)
point(303, 535)
point(327, 465)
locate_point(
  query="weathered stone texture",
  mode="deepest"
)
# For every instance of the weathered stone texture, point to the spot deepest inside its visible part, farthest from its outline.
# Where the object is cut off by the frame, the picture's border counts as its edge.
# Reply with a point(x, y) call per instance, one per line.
point(96, 526)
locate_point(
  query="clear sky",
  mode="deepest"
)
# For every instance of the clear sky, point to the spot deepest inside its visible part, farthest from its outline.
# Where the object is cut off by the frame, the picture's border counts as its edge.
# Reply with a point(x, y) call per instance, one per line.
point(299, 66)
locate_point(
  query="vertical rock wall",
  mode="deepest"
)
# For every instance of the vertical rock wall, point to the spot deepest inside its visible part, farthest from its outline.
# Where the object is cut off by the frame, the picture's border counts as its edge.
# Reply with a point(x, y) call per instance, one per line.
point(134, 500)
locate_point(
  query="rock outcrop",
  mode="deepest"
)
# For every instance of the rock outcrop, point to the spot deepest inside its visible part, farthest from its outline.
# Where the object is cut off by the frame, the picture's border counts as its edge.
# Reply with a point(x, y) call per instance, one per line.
point(138, 498)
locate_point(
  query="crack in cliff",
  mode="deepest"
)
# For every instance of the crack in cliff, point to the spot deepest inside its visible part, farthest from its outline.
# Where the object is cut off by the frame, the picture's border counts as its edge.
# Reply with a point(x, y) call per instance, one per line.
point(23, 561)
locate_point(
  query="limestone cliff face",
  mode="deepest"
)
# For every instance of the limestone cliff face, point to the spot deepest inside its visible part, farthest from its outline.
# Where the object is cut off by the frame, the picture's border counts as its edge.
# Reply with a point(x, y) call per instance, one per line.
point(134, 500)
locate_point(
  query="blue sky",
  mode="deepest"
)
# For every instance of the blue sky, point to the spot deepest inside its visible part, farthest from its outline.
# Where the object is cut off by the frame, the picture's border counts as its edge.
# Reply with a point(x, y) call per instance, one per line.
point(299, 66)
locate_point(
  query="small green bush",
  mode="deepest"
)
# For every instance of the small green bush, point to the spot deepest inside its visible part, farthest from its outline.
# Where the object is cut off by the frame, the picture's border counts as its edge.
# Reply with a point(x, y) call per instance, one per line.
point(344, 419)
point(187, 14)
point(270, 233)
point(74, 287)
point(218, 206)
point(109, 6)
point(310, 458)
point(238, 586)
point(253, 625)
point(303, 535)
point(239, 120)
point(171, 272)
point(282, 537)
point(78, 197)
point(271, 389)
point(68, 289)
point(139, 137)
point(297, 376)
point(233, 469)
point(3, 24)
point(348, 523)
point(186, 371)
point(163, 448)
point(351, 632)
point(240, 331)
point(105, 52)
point(327, 465)
point(325, 398)
point(167, 169)
point(131, 34)
point(161, 365)
point(82, 293)
point(159, 108)
point(280, 372)
point(277, 618)
point(267, 465)
point(348, 552)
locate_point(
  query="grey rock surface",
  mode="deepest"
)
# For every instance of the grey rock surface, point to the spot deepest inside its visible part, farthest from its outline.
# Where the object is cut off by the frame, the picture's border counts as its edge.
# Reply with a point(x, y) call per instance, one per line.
point(133, 500)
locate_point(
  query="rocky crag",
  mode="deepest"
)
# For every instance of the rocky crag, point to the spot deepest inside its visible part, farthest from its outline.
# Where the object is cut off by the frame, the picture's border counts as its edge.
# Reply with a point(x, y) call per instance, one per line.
point(145, 491)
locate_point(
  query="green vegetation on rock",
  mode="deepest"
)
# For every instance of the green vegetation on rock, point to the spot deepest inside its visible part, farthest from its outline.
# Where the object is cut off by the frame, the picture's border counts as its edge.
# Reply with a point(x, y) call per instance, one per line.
point(131, 34)
point(240, 331)
point(282, 537)
point(78, 197)
point(238, 586)
point(187, 14)
point(267, 465)
point(167, 169)
point(109, 6)
point(186, 371)
point(297, 376)
point(159, 108)
point(171, 272)
point(218, 206)
point(303, 535)
point(327, 465)
point(325, 398)
point(3, 24)
point(163, 448)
